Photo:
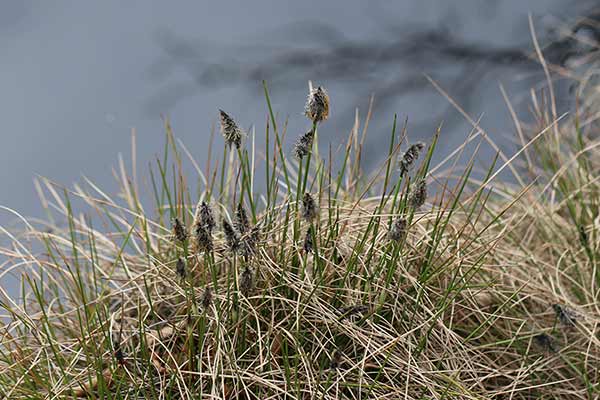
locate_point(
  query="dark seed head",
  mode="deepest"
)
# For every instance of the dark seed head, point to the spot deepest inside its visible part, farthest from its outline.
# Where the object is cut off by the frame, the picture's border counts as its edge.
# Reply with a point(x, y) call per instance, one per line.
point(565, 315)
point(231, 236)
point(410, 156)
point(119, 356)
point(179, 230)
point(241, 219)
point(418, 195)
point(180, 267)
point(336, 359)
point(246, 281)
point(206, 298)
point(546, 342)
point(309, 207)
point(398, 229)
point(308, 241)
point(204, 217)
point(250, 242)
point(202, 238)
point(231, 132)
point(317, 105)
point(303, 145)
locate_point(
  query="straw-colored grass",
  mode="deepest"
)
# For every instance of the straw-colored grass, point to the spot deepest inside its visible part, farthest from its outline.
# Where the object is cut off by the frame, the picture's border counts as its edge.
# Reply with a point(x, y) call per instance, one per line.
point(487, 290)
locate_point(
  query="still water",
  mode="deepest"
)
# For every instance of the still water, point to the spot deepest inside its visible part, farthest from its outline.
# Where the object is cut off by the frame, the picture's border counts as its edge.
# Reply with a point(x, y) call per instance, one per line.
point(78, 76)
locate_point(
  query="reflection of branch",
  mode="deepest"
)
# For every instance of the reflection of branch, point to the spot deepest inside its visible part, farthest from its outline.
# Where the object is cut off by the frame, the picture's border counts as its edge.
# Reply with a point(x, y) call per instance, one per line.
point(367, 63)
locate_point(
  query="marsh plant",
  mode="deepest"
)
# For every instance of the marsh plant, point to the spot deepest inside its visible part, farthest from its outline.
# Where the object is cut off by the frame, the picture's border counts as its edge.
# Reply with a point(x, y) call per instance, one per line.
point(285, 273)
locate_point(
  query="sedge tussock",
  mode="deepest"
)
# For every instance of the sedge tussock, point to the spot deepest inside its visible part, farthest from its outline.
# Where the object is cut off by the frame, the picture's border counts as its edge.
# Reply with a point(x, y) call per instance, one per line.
point(365, 296)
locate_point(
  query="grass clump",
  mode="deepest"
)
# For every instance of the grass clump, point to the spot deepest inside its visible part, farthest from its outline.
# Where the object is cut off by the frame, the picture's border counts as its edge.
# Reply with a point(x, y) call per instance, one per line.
point(415, 281)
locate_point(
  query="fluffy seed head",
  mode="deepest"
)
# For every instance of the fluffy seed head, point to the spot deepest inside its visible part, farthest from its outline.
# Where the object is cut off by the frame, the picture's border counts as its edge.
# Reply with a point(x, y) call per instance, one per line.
point(565, 315)
point(231, 132)
point(309, 207)
point(398, 229)
point(303, 145)
point(246, 281)
point(418, 195)
point(242, 223)
point(410, 156)
point(317, 105)
point(180, 267)
point(231, 236)
point(204, 217)
point(179, 231)
point(207, 298)
point(202, 238)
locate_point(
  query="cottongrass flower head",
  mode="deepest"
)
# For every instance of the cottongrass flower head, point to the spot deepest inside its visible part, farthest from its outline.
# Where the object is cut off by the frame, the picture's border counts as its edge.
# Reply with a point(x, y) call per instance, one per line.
point(398, 229)
point(202, 238)
point(231, 236)
point(202, 227)
point(418, 194)
point(207, 298)
point(242, 223)
point(204, 216)
point(565, 315)
point(180, 268)
point(246, 281)
point(317, 105)
point(309, 207)
point(250, 241)
point(308, 244)
point(410, 156)
point(303, 145)
point(546, 342)
point(179, 231)
point(230, 130)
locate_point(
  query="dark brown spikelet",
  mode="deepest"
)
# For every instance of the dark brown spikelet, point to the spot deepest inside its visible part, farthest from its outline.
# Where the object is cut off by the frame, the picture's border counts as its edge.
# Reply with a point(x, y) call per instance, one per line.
point(206, 298)
point(231, 132)
point(242, 223)
point(410, 156)
point(308, 241)
point(204, 217)
point(336, 359)
point(179, 231)
point(202, 238)
point(250, 242)
point(418, 194)
point(246, 281)
point(317, 105)
point(565, 315)
point(231, 236)
point(180, 268)
point(309, 207)
point(398, 229)
point(119, 356)
point(546, 342)
point(303, 145)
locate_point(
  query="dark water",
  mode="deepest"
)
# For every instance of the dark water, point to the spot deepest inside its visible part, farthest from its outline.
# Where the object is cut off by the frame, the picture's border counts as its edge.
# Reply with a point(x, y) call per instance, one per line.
point(77, 76)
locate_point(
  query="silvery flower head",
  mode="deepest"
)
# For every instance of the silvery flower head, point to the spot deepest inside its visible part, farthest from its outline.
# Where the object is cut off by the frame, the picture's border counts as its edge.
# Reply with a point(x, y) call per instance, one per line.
point(418, 194)
point(398, 229)
point(231, 132)
point(317, 105)
point(303, 145)
point(309, 207)
point(410, 156)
